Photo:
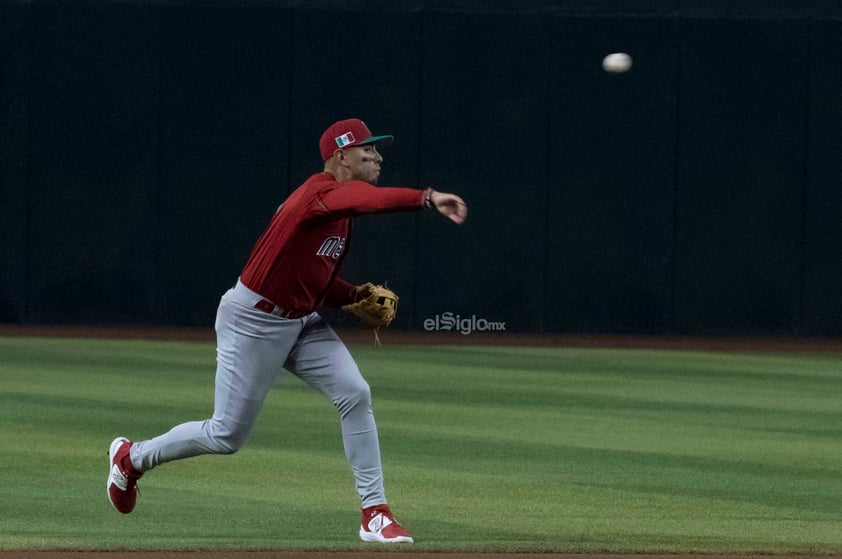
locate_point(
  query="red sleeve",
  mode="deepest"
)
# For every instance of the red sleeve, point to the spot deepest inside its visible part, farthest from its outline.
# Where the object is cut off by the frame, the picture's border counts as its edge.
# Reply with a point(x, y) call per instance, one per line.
point(352, 198)
point(340, 293)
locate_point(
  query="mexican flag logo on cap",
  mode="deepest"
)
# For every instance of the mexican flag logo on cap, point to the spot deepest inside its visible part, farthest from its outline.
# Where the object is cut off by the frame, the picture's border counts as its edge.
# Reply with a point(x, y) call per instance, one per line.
point(345, 139)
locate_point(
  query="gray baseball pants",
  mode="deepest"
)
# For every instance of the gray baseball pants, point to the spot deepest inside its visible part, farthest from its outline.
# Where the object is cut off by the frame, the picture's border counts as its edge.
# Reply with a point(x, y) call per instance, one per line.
point(253, 347)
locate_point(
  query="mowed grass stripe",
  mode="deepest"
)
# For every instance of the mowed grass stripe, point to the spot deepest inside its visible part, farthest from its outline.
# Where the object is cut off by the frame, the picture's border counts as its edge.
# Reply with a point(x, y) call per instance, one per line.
point(485, 448)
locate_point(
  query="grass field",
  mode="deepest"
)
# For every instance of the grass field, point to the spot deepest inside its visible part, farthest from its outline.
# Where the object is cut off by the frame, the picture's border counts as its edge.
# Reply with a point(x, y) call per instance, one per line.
point(485, 449)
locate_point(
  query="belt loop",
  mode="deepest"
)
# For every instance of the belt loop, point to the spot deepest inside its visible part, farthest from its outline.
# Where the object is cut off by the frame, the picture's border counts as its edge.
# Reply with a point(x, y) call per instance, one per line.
point(265, 306)
point(269, 307)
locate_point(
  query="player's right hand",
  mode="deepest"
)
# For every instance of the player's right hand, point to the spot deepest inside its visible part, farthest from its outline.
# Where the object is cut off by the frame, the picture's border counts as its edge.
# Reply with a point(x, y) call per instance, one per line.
point(450, 205)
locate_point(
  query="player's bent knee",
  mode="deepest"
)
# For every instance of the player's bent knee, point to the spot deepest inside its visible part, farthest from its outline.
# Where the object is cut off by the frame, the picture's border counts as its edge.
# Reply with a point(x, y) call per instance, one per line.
point(226, 442)
point(357, 396)
point(227, 446)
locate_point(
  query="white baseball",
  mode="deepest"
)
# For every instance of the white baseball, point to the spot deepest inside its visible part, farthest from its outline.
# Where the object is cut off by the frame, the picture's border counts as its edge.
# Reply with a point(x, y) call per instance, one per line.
point(617, 63)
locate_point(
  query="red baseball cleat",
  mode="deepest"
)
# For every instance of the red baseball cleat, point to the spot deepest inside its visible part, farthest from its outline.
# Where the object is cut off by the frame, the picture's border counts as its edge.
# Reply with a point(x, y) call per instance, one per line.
point(122, 476)
point(378, 525)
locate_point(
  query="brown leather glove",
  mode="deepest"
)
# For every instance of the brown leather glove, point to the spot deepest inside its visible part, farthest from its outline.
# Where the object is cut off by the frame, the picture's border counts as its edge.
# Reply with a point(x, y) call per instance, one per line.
point(376, 305)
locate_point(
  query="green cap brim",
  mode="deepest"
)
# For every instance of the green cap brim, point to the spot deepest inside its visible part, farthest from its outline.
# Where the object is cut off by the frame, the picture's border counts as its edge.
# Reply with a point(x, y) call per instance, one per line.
point(374, 140)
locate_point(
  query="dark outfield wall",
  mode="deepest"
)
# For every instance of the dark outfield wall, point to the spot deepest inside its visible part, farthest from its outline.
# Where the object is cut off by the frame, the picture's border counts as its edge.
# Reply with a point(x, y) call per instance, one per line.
point(146, 144)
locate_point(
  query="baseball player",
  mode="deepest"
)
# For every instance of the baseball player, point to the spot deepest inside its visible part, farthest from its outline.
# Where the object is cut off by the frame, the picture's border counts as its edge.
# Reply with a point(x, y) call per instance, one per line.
point(268, 322)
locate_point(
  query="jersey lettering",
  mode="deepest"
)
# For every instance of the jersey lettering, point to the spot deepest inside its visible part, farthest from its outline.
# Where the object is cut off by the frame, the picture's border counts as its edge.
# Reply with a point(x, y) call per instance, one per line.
point(332, 246)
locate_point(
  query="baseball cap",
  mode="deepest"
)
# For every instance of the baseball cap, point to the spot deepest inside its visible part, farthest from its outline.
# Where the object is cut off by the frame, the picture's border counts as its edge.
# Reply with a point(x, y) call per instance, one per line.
point(347, 133)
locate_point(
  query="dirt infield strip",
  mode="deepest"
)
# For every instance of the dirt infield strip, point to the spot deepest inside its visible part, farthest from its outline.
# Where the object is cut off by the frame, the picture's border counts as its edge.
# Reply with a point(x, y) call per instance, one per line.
point(370, 554)
point(353, 335)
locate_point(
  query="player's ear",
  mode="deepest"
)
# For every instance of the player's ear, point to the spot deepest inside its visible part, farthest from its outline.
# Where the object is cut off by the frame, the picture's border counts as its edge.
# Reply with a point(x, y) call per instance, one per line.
point(339, 155)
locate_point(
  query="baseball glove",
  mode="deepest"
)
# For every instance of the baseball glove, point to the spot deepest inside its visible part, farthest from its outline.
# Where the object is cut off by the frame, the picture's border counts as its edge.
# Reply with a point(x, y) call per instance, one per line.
point(376, 305)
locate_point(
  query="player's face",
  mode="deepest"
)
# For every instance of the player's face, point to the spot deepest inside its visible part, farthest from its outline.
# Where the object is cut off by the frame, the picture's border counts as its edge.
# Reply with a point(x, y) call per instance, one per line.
point(364, 163)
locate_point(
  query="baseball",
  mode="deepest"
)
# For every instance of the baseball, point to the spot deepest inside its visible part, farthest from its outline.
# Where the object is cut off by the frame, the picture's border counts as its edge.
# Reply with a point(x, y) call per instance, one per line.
point(617, 63)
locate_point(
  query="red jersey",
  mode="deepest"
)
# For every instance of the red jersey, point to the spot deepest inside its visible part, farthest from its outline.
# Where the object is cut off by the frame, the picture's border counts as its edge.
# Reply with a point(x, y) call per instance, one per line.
point(295, 263)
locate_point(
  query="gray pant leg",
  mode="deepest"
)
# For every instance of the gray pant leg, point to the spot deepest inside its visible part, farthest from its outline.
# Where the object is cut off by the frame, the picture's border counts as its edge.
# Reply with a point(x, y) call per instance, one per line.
point(321, 360)
point(251, 348)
